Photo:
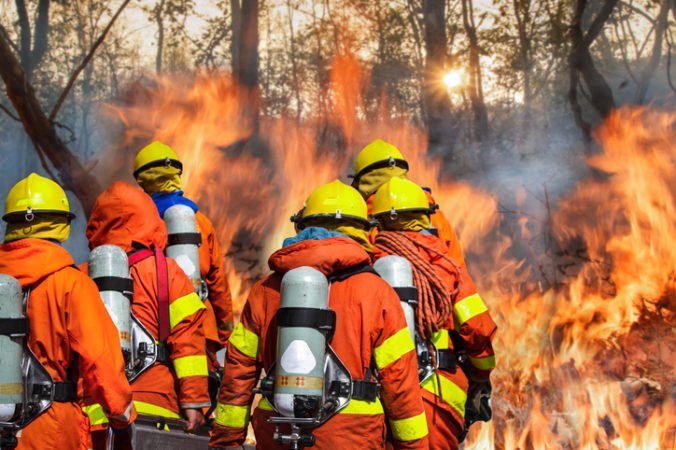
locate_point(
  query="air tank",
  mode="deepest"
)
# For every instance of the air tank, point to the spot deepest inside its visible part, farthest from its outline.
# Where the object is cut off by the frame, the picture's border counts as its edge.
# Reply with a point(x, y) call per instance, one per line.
point(11, 349)
point(398, 274)
point(299, 370)
point(183, 243)
point(109, 268)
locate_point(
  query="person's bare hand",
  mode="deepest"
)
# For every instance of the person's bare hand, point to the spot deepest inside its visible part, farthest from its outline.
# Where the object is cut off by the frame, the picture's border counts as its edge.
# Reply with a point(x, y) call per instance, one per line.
point(195, 420)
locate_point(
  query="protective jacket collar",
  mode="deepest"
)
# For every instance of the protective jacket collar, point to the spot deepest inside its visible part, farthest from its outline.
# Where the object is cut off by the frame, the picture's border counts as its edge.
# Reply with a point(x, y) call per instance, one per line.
point(327, 255)
point(30, 260)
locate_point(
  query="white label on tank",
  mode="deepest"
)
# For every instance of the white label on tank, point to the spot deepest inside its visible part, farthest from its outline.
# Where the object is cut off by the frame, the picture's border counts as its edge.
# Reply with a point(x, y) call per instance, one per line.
point(298, 358)
point(184, 263)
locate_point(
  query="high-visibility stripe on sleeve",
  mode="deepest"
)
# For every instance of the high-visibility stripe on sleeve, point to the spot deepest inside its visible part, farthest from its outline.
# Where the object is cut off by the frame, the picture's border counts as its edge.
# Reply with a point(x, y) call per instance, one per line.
point(410, 429)
point(469, 307)
point(232, 415)
point(184, 307)
point(485, 363)
point(393, 348)
point(245, 341)
point(450, 392)
point(440, 339)
point(191, 366)
point(96, 414)
point(154, 410)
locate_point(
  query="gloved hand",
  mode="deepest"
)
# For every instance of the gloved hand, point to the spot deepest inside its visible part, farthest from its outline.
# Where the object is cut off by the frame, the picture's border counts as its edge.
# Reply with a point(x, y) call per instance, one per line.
point(122, 437)
point(478, 405)
point(195, 420)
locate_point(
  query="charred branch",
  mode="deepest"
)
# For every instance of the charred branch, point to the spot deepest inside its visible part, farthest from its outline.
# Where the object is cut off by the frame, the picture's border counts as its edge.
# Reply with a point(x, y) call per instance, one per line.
point(647, 75)
point(42, 132)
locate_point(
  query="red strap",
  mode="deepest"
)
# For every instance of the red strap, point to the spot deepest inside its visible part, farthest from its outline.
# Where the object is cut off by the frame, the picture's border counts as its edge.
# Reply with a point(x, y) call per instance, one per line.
point(162, 294)
point(139, 256)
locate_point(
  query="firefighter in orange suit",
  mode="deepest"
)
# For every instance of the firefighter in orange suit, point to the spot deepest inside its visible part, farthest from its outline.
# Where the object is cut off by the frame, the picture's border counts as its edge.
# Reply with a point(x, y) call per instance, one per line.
point(157, 170)
point(70, 331)
point(370, 336)
point(403, 213)
point(175, 387)
point(375, 165)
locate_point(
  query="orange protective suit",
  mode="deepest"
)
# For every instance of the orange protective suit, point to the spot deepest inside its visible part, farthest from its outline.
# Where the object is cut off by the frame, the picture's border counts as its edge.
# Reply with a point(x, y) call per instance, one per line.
point(70, 333)
point(370, 327)
point(126, 217)
point(443, 227)
point(445, 394)
point(218, 322)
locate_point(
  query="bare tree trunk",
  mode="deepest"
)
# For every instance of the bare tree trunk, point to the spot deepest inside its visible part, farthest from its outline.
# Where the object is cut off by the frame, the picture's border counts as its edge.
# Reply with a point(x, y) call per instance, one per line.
point(647, 75)
point(236, 16)
point(31, 53)
point(522, 14)
point(159, 19)
point(244, 51)
point(437, 102)
point(41, 131)
point(294, 62)
point(476, 93)
point(582, 64)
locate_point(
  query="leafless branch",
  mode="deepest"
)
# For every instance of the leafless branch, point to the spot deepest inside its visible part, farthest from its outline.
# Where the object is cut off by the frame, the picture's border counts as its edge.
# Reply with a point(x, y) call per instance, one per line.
point(85, 61)
point(9, 112)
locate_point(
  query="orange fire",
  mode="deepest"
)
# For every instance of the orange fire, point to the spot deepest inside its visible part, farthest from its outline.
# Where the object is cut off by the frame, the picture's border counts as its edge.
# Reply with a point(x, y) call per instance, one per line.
point(585, 355)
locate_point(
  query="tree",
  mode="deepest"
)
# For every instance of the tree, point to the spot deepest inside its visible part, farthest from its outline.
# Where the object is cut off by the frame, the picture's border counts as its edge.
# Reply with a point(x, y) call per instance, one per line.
point(244, 51)
point(476, 92)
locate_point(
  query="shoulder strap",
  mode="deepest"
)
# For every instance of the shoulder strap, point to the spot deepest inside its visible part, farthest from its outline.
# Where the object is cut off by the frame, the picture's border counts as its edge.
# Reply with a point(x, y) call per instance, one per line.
point(162, 286)
point(342, 275)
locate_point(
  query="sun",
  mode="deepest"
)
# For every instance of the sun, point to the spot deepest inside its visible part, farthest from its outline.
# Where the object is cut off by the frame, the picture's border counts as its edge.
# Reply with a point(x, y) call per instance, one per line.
point(454, 78)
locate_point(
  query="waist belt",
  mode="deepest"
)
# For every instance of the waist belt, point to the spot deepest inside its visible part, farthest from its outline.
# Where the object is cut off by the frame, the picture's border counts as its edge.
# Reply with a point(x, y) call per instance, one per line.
point(447, 360)
point(360, 389)
point(64, 391)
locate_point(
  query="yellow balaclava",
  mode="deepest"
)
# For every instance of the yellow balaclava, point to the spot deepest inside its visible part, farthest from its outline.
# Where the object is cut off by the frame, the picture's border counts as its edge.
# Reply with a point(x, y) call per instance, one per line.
point(360, 235)
point(369, 183)
point(160, 179)
point(405, 221)
point(44, 226)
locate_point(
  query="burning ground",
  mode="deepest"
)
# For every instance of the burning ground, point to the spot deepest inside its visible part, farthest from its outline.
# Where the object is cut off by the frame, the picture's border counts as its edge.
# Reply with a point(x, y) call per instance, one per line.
point(582, 282)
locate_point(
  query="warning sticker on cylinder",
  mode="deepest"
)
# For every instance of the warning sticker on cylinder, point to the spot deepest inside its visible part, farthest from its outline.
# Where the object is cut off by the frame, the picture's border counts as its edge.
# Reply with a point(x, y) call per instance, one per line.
point(298, 358)
point(184, 263)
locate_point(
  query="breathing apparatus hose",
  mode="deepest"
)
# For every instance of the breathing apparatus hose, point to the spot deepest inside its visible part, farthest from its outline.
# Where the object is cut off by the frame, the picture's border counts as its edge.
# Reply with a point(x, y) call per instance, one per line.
point(435, 301)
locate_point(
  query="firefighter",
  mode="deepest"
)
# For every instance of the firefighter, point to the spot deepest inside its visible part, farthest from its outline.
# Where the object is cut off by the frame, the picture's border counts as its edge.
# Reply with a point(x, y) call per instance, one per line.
point(370, 336)
point(157, 170)
point(164, 301)
point(375, 165)
point(462, 323)
point(70, 332)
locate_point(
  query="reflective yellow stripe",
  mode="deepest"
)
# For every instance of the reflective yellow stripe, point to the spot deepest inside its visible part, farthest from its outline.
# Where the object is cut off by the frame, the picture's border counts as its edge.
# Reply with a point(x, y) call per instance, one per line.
point(469, 307)
point(440, 339)
point(232, 415)
point(153, 410)
point(363, 407)
point(354, 407)
point(451, 393)
point(96, 414)
point(191, 366)
point(485, 363)
point(183, 307)
point(410, 429)
point(245, 341)
point(393, 348)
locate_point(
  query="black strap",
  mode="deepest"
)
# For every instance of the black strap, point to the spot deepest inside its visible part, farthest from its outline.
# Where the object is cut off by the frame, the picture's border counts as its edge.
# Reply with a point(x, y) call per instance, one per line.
point(323, 320)
point(342, 275)
point(381, 165)
point(14, 327)
point(166, 162)
point(407, 294)
point(162, 353)
point(359, 390)
point(65, 391)
point(185, 238)
point(447, 360)
point(119, 284)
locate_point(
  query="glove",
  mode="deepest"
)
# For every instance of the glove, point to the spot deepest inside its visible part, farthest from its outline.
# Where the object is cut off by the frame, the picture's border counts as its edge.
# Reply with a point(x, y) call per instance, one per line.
point(122, 437)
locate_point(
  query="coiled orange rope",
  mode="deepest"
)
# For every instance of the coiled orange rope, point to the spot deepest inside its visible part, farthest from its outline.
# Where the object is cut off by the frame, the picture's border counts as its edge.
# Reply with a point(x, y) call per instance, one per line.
point(435, 300)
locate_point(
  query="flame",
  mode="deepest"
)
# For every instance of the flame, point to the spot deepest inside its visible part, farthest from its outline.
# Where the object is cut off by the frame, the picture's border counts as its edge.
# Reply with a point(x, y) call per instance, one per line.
point(586, 326)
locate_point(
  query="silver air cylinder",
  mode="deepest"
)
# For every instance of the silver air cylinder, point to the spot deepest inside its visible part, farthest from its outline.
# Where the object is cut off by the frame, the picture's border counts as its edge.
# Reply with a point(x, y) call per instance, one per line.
point(109, 262)
point(299, 375)
point(11, 349)
point(183, 242)
point(398, 274)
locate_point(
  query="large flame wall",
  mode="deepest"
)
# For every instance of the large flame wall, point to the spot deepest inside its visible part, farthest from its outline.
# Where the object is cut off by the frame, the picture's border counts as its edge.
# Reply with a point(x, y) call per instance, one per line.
point(585, 361)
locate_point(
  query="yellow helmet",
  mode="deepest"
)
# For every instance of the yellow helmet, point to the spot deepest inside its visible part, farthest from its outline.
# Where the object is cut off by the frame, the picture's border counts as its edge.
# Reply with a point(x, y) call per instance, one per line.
point(376, 155)
point(335, 200)
point(35, 195)
point(400, 195)
point(156, 154)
